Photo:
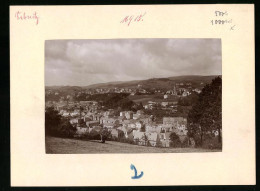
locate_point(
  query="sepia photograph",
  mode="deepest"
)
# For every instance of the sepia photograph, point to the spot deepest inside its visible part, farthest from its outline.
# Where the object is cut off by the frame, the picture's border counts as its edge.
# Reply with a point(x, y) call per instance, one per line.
point(133, 96)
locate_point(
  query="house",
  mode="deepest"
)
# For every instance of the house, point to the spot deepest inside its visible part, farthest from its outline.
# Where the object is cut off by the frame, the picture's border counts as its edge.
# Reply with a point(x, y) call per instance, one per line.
point(197, 90)
point(82, 130)
point(125, 130)
point(145, 119)
point(153, 127)
point(87, 118)
point(74, 121)
point(136, 116)
point(139, 125)
point(122, 113)
point(143, 91)
point(164, 104)
point(166, 127)
point(121, 119)
point(110, 112)
point(148, 106)
point(132, 125)
point(66, 114)
point(114, 133)
point(165, 139)
point(96, 117)
point(129, 115)
point(140, 112)
point(109, 125)
point(153, 138)
point(75, 113)
point(173, 120)
point(185, 93)
point(179, 124)
point(150, 127)
point(139, 137)
point(128, 121)
point(95, 129)
point(111, 120)
point(92, 123)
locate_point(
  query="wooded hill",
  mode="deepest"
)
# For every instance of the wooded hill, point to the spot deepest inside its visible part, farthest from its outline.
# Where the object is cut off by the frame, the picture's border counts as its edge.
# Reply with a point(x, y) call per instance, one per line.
point(158, 83)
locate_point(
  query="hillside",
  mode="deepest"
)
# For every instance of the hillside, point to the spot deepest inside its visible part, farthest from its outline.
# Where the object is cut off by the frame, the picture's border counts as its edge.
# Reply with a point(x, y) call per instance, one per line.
point(160, 83)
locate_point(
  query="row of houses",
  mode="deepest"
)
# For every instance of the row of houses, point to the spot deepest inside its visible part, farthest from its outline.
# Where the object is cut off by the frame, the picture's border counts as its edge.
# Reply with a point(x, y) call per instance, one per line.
point(156, 139)
point(142, 131)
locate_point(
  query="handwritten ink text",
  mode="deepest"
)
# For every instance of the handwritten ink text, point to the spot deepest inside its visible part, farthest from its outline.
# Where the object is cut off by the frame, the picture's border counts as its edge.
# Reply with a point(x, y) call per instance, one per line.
point(24, 16)
point(136, 176)
point(129, 19)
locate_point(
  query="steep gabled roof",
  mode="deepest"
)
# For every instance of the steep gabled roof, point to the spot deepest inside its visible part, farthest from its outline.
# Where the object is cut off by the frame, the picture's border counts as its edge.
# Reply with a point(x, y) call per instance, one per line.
point(138, 135)
point(152, 136)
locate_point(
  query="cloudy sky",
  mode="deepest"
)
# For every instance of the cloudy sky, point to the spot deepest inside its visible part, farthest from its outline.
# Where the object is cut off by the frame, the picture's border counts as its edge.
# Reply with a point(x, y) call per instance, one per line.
point(85, 62)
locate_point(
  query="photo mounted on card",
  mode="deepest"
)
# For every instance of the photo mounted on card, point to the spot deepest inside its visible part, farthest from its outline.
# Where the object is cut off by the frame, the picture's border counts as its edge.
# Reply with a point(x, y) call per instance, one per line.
point(140, 95)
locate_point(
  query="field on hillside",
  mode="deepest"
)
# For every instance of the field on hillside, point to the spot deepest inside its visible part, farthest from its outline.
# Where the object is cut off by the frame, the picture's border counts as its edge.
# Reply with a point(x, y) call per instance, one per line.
point(56, 145)
point(155, 97)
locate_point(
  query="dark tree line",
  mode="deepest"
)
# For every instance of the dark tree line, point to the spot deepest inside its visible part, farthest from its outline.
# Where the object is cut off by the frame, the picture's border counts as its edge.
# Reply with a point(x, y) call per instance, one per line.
point(113, 100)
point(189, 100)
point(206, 113)
point(55, 125)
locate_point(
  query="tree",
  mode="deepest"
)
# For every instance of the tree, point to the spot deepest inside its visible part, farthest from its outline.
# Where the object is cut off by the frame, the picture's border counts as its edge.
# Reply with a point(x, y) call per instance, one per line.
point(66, 129)
point(142, 128)
point(55, 125)
point(206, 114)
point(145, 138)
point(140, 106)
point(52, 121)
point(158, 141)
point(175, 139)
point(104, 134)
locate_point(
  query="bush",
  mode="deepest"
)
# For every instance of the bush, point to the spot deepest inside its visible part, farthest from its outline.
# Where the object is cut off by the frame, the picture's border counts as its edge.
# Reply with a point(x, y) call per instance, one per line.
point(175, 140)
point(211, 143)
point(158, 144)
point(197, 140)
point(185, 143)
point(114, 139)
point(122, 140)
point(130, 141)
point(65, 129)
point(148, 144)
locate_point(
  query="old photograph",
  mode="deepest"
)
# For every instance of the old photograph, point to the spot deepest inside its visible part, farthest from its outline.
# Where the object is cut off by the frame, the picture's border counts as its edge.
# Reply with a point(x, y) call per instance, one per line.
point(133, 96)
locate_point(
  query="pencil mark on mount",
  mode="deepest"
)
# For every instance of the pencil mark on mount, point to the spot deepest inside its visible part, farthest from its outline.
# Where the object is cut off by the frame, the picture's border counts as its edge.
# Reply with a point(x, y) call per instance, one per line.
point(223, 18)
point(136, 176)
point(232, 28)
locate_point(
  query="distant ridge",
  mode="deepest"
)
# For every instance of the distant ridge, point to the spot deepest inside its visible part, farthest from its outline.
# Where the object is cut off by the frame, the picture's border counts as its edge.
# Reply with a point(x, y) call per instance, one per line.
point(195, 80)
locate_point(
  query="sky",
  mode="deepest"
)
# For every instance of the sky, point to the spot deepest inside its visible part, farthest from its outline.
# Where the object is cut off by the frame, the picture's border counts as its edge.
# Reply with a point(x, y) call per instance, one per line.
point(86, 62)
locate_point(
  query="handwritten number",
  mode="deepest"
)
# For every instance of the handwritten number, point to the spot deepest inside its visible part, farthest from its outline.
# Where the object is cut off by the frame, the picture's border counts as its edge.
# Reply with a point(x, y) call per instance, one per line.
point(136, 176)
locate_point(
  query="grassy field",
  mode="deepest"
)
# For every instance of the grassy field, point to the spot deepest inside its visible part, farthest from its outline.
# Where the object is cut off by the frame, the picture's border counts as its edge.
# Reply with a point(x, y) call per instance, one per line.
point(73, 146)
point(155, 97)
